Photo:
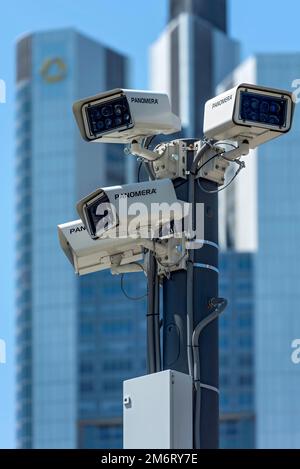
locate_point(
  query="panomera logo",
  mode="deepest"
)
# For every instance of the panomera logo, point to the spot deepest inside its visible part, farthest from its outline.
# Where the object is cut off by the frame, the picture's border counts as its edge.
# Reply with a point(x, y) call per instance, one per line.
point(2, 92)
point(2, 352)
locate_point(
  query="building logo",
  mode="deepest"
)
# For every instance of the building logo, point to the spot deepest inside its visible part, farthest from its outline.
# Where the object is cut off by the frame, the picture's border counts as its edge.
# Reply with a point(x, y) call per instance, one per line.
point(2, 352)
point(2, 92)
point(53, 70)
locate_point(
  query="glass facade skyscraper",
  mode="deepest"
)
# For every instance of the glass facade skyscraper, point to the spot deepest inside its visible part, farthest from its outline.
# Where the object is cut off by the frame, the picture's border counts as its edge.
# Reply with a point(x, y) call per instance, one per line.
point(77, 338)
point(188, 61)
point(237, 322)
point(191, 56)
point(262, 214)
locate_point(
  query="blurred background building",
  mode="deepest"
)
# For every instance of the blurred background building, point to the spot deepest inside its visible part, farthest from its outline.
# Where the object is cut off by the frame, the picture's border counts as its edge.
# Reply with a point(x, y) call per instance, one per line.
point(191, 56)
point(77, 338)
point(188, 61)
point(237, 386)
point(261, 213)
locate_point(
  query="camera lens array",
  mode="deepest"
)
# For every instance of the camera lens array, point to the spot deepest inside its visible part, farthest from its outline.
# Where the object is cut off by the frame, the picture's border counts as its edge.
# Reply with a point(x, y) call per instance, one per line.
point(263, 109)
point(109, 115)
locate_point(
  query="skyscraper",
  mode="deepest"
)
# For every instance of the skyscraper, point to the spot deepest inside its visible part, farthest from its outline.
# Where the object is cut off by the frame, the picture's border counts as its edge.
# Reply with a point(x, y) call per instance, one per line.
point(262, 214)
point(237, 386)
point(192, 55)
point(188, 61)
point(77, 338)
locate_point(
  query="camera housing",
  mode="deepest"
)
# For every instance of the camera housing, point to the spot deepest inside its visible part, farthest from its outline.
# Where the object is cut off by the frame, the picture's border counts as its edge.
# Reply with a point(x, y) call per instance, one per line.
point(122, 116)
point(112, 211)
point(88, 256)
point(248, 112)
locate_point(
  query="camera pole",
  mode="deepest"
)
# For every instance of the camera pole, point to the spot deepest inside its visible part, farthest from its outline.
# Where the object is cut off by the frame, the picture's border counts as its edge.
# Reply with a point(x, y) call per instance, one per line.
point(204, 270)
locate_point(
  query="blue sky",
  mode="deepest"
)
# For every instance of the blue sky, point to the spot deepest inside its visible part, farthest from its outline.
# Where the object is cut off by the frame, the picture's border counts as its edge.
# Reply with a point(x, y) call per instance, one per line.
point(129, 26)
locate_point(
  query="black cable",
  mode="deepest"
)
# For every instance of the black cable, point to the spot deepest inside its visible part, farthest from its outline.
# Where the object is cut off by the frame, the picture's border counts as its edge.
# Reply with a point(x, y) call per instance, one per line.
point(137, 298)
point(207, 161)
point(139, 171)
point(151, 342)
point(216, 191)
point(148, 141)
point(191, 256)
point(157, 322)
point(218, 305)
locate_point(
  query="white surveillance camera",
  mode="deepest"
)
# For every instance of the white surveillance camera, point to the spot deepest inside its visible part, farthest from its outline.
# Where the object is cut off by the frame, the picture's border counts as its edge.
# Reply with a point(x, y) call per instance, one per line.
point(250, 113)
point(88, 256)
point(139, 210)
point(123, 116)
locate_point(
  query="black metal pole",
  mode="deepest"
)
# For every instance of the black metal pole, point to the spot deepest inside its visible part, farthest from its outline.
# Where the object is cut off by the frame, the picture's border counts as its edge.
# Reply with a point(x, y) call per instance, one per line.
point(175, 312)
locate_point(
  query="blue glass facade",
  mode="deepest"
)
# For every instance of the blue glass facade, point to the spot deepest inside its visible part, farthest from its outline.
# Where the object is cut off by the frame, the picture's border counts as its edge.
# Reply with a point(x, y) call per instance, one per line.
point(24, 266)
point(76, 337)
point(111, 341)
point(277, 271)
point(262, 216)
point(237, 387)
point(193, 54)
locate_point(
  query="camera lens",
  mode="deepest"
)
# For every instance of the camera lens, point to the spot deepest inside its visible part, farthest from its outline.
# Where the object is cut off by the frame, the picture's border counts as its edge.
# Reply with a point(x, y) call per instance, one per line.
point(263, 117)
point(254, 103)
point(274, 120)
point(126, 117)
point(253, 116)
point(264, 107)
point(95, 114)
point(274, 108)
point(108, 123)
point(100, 125)
point(118, 110)
point(118, 121)
point(107, 111)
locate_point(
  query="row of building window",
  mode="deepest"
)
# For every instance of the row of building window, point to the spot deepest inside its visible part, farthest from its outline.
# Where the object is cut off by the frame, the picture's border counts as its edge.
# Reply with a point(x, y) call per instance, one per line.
point(87, 367)
point(112, 385)
point(117, 327)
point(242, 380)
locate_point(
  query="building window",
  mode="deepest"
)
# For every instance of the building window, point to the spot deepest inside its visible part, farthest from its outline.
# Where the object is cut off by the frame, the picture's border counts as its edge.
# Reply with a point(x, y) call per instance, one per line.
point(117, 365)
point(245, 380)
point(86, 387)
point(86, 367)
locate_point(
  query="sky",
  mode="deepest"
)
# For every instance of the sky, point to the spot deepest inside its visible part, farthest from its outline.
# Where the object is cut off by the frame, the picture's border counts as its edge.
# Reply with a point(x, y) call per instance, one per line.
point(128, 26)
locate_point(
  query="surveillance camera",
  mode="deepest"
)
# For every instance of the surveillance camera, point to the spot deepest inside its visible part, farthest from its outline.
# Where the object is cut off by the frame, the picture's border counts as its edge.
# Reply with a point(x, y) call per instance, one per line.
point(88, 256)
point(122, 116)
point(249, 113)
point(139, 210)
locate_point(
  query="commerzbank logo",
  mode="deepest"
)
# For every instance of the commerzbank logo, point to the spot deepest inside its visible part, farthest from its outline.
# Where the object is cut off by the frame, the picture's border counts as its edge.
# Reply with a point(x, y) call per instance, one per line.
point(53, 70)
